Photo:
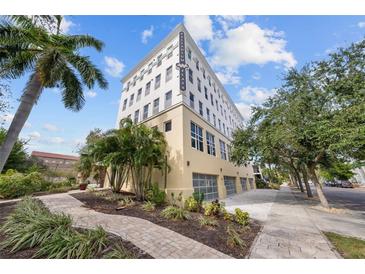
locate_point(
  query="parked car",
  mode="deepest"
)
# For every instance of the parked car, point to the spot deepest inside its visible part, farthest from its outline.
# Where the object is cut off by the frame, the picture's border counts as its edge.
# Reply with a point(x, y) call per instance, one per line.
point(346, 184)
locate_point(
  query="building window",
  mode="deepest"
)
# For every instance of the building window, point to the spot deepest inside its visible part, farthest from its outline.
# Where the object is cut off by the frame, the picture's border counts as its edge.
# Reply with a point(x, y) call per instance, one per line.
point(222, 146)
point(208, 114)
point(159, 60)
point(157, 81)
point(145, 111)
point(191, 76)
point(224, 128)
point(149, 68)
point(139, 94)
point(229, 152)
point(221, 110)
point(168, 99)
point(169, 50)
point(206, 184)
point(128, 85)
point(243, 182)
point(214, 121)
point(219, 124)
point(196, 136)
point(129, 116)
point(199, 85)
point(125, 104)
point(210, 144)
point(169, 73)
point(225, 114)
point(141, 77)
point(192, 103)
point(168, 126)
point(189, 54)
point(201, 108)
point(148, 88)
point(134, 80)
point(131, 100)
point(209, 81)
point(205, 92)
point(136, 116)
point(216, 105)
point(230, 184)
point(197, 64)
point(156, 106)
point(203, 73)
point(211, 100)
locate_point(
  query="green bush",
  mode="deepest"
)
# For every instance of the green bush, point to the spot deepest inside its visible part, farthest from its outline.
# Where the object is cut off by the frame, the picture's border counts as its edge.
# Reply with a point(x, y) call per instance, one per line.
point(148, 206)
point(155, 195)
point(227, 216)
point(199, 197)
point(241, 217)
point(14, 185)
point(207, 221)
point(213, 208)
point(260, 184)
point(175, 213)
point(119, 252)
point(191, 204)
point(31, 224)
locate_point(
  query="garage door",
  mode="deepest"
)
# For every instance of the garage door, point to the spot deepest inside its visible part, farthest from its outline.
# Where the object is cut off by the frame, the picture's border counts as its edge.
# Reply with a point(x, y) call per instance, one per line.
point(229, 183)
point(252, 183)
point(206, 184)
point(243, 182)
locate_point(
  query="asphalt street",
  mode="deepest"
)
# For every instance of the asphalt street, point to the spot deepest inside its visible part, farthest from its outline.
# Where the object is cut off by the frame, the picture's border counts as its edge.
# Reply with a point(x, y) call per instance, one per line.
point(351, 198)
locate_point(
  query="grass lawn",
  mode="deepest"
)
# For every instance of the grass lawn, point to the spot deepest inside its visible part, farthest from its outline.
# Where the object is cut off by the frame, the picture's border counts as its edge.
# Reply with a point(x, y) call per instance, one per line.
point(348, 247)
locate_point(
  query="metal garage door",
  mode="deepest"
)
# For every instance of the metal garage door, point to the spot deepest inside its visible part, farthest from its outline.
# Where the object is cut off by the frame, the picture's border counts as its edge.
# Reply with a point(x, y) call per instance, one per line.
point(206, 184)
point(230, 185)
point(243, 183)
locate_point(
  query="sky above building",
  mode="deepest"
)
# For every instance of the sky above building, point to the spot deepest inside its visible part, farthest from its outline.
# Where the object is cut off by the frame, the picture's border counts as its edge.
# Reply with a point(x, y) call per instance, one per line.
point(250, 54)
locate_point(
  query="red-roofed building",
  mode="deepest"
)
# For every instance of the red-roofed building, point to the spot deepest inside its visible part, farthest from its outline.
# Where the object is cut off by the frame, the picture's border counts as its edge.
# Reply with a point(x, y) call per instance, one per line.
point(57, 162)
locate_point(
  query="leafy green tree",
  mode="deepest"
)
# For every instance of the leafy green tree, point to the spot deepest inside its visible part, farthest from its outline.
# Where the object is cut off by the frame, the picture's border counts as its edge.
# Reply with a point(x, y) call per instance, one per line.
point(53, 60)
point(18, 158)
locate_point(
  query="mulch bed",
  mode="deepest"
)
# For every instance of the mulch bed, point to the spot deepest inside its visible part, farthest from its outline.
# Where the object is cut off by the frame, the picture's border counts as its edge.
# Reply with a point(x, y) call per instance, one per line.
point(214, 237)
point(7, 208)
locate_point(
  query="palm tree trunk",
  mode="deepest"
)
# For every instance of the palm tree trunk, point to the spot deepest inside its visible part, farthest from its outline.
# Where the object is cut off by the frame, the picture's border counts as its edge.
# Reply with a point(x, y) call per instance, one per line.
point(305, 179)
point(322, 198)
point(27, 101)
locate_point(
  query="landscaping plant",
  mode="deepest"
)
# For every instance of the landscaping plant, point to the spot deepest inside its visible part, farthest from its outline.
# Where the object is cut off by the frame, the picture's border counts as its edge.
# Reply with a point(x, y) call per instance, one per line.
point(241, 217)
point(199, 197)
point(207, 221)
point(118, 252)
point(155, 195)
point(175, 213)
point(191, 204)
point(234, 239)
point(149, 206)
point(213, 208)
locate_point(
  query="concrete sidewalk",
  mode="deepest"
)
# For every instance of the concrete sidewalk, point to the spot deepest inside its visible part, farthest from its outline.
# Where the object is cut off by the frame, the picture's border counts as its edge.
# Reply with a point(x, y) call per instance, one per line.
point(290, 233)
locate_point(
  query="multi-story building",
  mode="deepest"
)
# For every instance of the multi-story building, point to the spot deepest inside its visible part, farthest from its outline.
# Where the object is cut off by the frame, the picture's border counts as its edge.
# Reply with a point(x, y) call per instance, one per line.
point(174, 89)
point(64, 164)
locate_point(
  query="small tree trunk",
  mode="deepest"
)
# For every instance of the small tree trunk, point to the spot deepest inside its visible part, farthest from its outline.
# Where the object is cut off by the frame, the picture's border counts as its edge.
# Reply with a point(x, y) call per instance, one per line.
point(297, 175)
point(305, 179)
point(322, 198)
point(27, 101)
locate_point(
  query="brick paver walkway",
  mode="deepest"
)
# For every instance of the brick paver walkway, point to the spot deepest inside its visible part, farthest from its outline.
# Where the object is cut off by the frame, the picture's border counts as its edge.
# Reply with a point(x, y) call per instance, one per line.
point(157, 241)
point(290, 233)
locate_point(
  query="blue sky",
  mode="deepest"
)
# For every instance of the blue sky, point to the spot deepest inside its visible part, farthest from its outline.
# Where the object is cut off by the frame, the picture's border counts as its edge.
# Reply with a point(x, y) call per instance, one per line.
point(249, 53)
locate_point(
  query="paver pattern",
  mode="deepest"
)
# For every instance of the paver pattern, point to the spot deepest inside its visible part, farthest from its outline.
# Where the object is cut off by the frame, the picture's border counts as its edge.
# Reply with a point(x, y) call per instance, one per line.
point(157, 241)
point(290, 233)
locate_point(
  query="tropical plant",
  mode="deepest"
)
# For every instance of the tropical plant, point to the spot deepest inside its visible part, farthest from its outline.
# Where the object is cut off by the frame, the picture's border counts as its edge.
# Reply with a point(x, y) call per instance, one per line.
point(199, 197)
point(126, 202)
point(191, 204)
point(241, 217)
point(208, 221)
point(234, 239)
point(149, 206)
point(53, 60)
point(213, 208)
point(155, 195)
point(119, 252)
point(175, 213)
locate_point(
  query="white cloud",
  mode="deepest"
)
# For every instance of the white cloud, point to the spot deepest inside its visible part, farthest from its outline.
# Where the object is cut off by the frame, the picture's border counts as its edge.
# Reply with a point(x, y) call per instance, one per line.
point(255, 95)
point(66, 25)
point(245, 110)
point(227, 21)
point(35, 135)
point(250, 44)
point(56, 140)
point(91, 94)
point(256, 76)
point(228, 77)
point(50, 127)
point(361, 24)
point(146, 34)
point(7, 118)
point(200, 27)
point(114, 67)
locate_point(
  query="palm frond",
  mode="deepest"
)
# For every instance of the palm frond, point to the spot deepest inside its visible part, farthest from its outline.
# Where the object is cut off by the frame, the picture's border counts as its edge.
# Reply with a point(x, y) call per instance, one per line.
point(72, 95)
point(17, 65)
point(81, 41)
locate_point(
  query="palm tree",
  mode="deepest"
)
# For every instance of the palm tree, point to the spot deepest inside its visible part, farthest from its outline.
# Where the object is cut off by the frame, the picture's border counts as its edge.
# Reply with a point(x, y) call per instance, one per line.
point(52, 59)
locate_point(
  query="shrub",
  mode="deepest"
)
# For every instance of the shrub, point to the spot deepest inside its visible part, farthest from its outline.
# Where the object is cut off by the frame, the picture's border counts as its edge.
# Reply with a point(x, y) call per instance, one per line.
point(206, 221)
point(155, 195)
point(191, 204)
point(227, 216)
point(118, 252)
point(234, 239)
point(175, 213)
point(213, 208)
point(31, 224)
point(74, 245)
point(148, 206)
point(126, 202)
point(241, 217)
point(260, 184)
point(199, 197)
